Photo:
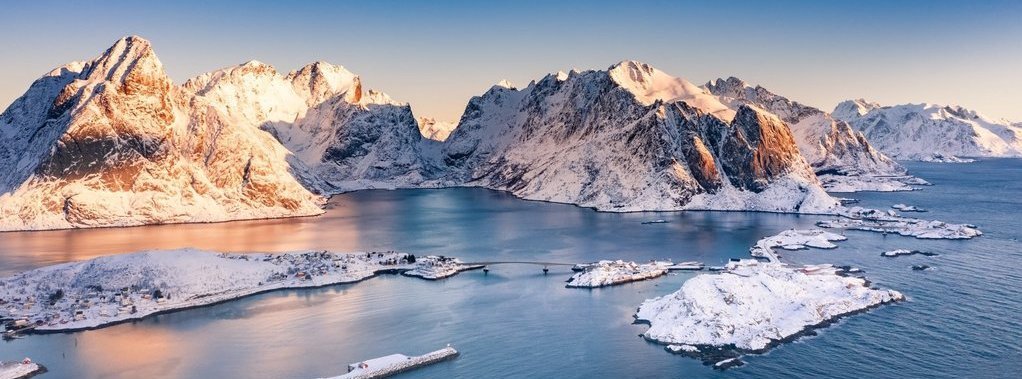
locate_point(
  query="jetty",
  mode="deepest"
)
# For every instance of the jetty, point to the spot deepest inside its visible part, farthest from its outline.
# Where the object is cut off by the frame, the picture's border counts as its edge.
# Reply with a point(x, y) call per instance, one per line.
point(393, 364)
point(18, 370)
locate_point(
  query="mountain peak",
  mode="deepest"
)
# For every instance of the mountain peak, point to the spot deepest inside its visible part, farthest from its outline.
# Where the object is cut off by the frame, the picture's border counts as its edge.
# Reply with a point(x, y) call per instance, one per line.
point(726, 87)
point(649, 84)
point(852, 109)
point(320, 80)
point(504, 83)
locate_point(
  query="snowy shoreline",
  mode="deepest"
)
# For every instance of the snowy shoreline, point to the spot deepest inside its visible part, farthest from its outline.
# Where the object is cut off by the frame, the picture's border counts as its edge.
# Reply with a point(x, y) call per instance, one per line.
point(611, 273)
point(754, 306)
point(109, 290)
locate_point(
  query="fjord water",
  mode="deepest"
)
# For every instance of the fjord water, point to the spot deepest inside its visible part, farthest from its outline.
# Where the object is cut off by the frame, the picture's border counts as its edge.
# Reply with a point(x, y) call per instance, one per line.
point(962, 317)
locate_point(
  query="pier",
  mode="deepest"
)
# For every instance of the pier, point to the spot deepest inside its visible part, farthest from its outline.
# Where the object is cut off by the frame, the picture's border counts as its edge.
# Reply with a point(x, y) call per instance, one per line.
point(393, 364)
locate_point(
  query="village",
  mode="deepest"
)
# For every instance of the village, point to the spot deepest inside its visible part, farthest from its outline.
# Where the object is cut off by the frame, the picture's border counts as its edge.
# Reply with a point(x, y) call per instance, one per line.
point(106, 290)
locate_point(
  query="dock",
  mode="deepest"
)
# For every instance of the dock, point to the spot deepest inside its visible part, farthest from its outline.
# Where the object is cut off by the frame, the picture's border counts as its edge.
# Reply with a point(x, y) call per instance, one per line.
point(394, 364)
point(19, 370)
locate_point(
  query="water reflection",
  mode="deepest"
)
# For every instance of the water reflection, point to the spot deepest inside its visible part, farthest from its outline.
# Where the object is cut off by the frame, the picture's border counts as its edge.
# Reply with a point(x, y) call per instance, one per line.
point(465, 222)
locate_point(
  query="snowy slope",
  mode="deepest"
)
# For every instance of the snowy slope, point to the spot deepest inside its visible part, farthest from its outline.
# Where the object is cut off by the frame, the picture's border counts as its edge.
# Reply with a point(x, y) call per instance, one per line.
point(346, 139)
point(434, 129)
point(931, 132)
point(629, 138)
point(113, 142)
point(754, 305)
point(841, 156)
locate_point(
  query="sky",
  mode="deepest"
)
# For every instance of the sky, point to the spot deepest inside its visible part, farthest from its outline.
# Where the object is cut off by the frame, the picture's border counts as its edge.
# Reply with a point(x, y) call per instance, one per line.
point(436, 55)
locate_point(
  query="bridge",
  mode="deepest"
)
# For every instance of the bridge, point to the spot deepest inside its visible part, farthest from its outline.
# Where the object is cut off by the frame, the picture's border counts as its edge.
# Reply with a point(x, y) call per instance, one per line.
point(516, 263)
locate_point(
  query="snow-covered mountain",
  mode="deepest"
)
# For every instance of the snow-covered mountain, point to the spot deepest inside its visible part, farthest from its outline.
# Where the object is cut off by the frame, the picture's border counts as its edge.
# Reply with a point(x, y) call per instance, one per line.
point(343, 138)
point(630, 138)
point(434, 129)
point(843, 158)
point(113, 141)
point(931, 132)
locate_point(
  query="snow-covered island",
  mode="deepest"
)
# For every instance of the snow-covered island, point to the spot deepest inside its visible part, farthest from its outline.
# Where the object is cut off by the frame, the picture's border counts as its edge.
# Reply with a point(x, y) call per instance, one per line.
point(608, 273)
point(111, 289)
point(752, 306)
point(794, 239)
point(867, 183)
point(434, 267)
point(900, 252)
point(17, 370)
point(873, 220)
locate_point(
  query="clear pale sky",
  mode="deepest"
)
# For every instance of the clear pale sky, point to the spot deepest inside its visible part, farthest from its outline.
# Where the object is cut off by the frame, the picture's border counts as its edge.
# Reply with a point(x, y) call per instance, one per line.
point(437, 54)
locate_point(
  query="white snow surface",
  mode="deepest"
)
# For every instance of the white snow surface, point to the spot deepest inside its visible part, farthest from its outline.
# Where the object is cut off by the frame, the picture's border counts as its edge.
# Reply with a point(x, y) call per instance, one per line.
point(874, 220)
point(931, 132)
point(17, 370)
point(607, 273)
point(754, 304)
point(434, 129)
point(794, 239)
point(395, 363)
point(649, 85)
point(105, 289)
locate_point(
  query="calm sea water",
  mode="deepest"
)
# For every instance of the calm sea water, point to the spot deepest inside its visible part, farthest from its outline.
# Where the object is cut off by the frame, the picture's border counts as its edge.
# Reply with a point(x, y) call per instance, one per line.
point(963, 317)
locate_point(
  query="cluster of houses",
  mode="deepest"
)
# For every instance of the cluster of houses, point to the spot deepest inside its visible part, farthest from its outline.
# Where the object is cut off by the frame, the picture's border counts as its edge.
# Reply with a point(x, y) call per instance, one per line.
point(60, 309)
point(305, 266)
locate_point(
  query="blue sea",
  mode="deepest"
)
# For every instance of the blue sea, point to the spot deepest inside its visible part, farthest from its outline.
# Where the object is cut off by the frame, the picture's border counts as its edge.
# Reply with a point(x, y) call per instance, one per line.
point(963, 318)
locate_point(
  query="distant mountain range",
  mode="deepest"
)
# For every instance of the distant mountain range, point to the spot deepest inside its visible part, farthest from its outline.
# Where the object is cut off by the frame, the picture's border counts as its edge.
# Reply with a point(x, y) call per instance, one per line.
point(929, 132)
point(113, 142)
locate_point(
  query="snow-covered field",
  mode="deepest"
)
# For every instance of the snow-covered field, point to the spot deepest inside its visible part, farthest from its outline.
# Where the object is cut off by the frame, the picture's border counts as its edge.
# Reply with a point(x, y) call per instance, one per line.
point(752, 306)
point(794, 239)
point(608, 273)
point(105, 290)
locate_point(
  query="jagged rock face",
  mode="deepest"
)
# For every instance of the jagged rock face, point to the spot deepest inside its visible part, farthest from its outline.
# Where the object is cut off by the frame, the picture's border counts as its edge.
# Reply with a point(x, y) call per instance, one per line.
point(759, 149)
point(931, 132)
point(603, 139)
point(831, 146)
point(371, 144)
point(342, 139)
point(119, 144)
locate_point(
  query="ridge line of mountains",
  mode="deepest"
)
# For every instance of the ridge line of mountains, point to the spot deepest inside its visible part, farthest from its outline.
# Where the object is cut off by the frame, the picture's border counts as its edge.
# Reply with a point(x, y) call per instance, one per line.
point(113, 142)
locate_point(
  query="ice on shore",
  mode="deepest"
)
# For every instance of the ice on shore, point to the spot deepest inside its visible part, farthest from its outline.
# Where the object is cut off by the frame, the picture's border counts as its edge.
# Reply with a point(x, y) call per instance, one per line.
point(794, 239)
point(753, 305)
point(607, 273)
point(873, 220)
point(110, 289)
